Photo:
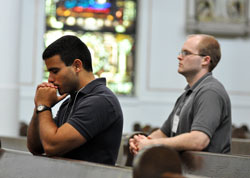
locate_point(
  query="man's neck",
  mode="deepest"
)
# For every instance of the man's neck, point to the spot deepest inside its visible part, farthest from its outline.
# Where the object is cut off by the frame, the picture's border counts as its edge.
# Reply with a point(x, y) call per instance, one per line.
point(192, 79)
point(85, 79)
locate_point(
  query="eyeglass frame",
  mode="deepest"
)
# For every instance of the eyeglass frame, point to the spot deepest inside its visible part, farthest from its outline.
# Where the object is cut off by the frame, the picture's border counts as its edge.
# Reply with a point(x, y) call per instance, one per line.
point(187, 53)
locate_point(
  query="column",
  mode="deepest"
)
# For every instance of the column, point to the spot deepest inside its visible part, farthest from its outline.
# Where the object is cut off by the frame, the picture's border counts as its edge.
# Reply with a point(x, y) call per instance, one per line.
point(9, 83)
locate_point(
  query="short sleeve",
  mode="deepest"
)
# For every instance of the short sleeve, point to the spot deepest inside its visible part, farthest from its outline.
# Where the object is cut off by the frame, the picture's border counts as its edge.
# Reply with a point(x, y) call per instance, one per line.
point(166, 127)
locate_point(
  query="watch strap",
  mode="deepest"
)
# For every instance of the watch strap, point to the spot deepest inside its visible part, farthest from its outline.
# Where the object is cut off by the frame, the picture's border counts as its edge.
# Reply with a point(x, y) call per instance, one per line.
point(42, 108)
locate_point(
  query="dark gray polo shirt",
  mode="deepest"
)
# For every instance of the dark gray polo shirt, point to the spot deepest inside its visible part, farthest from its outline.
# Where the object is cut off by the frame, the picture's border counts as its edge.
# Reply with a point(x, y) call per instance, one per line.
point(204, 107)
point(96, 114)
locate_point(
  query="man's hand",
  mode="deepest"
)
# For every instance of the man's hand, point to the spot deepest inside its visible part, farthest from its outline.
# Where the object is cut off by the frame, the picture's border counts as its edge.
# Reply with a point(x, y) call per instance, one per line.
point(137, 143)
point(46, 94)
point(142, 141)
point(132, 146)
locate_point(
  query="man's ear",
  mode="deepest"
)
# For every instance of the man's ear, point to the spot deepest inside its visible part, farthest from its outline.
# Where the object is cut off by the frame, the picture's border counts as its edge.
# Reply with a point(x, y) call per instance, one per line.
point(77, 64)
point(206, 60)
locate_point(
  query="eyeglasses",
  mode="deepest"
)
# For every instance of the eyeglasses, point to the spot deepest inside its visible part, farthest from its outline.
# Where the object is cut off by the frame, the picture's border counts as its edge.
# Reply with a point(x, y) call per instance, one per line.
point(186, 53)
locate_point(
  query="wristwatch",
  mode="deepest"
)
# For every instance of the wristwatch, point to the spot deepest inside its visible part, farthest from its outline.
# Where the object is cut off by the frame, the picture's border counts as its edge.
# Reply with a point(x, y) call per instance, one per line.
point(41, 108)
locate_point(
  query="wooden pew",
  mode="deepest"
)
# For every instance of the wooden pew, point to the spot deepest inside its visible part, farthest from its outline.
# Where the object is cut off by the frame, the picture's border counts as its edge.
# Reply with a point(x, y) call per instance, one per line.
point(240, 146)
point(15, 164)
point(15, 143)
point(215, 165)
point(20, 144)
point(199, 164)
point(194, 163)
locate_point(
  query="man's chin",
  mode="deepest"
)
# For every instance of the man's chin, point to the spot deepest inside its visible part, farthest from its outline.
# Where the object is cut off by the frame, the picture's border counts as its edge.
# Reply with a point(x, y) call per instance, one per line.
point(60, 92)
point(180, 71)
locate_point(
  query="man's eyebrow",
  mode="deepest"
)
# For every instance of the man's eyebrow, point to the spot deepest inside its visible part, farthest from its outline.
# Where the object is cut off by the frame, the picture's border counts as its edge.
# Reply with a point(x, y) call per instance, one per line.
point(52, 68)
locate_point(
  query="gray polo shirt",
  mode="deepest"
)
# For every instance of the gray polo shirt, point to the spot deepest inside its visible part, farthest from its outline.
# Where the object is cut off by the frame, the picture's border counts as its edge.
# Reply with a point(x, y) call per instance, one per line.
point(204, 107)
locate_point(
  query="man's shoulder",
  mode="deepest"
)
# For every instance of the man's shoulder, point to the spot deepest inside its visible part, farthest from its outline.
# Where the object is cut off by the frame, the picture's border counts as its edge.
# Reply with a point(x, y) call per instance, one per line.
point(211, 83)
point(98, 99)
point(214, 87)
point(97, 87)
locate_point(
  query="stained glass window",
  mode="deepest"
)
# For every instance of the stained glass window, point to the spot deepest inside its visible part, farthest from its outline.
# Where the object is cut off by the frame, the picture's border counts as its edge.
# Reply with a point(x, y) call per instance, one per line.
point(108, 28)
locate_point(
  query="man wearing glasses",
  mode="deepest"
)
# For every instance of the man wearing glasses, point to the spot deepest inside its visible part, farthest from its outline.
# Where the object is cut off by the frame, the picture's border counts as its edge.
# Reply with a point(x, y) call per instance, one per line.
point(201, 118)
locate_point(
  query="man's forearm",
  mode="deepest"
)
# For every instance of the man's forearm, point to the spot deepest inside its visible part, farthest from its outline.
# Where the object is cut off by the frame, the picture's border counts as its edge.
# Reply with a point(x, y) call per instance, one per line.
point(42, 133)
point(57, 141)
point(195, 141)
point(157, 134)
point(33, 138)
point(47, 128)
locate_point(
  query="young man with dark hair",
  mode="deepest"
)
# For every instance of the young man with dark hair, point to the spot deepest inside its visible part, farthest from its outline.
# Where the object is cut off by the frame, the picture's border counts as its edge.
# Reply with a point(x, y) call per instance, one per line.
point(88, 125)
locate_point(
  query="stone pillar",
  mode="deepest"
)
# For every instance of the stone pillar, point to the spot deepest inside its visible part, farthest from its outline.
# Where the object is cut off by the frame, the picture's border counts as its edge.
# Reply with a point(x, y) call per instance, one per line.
point(9, 81)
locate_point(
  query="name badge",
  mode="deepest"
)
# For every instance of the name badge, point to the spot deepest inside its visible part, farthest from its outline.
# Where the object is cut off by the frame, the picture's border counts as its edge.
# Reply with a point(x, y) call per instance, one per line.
point(175, 123)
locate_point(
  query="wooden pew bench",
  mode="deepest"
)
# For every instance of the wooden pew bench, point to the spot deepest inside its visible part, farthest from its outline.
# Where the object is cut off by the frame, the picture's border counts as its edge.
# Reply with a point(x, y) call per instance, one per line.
point(193, 164)
point(240, 146)
point(14, 164)
point(215, 165)
point(14, 143)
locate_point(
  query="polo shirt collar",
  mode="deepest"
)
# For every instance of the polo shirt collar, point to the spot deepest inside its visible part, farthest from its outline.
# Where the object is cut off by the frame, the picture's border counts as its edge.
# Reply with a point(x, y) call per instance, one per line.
point(90, 86)
point(198, 82)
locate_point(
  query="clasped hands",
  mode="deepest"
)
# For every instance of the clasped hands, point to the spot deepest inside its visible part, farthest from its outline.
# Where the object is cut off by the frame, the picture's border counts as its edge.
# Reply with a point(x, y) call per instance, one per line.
point(46, 94)
point(138, 142)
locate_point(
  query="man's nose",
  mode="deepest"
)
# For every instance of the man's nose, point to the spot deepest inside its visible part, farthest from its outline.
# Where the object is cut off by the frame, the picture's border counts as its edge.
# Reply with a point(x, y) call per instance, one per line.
point(179, 57)
point(51, 78)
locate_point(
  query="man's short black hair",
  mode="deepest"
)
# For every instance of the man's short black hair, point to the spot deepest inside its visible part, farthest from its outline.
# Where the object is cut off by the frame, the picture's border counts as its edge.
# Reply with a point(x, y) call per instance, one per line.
point(69, 48)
